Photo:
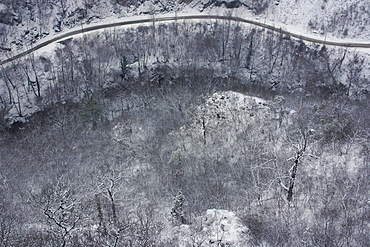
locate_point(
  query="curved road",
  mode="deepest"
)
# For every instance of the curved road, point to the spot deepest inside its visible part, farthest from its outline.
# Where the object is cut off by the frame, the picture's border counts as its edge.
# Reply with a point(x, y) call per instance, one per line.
point(190, 17)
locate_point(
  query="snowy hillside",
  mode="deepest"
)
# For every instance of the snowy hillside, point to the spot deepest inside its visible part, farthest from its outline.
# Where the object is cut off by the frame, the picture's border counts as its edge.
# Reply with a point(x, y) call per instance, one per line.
point(24, 23)
point(184, 132)
point(340, 19)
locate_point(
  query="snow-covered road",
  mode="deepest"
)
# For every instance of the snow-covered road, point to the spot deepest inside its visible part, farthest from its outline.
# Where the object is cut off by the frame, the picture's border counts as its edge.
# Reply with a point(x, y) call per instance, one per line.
point(117, 23)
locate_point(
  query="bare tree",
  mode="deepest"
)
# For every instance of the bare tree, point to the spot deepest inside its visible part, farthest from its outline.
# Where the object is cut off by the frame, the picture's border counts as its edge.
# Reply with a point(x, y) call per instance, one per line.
point(355, 66)
point(61, 208)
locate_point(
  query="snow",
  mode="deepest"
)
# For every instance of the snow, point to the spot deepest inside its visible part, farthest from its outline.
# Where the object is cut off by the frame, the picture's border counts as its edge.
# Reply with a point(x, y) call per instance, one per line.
point(294, 24)
point(224, 227)
point(236, 99)
point(217, 227)
point(294, 16)
point(276, 16)
point(3, 7)
point(225, 115)
point(297, 14)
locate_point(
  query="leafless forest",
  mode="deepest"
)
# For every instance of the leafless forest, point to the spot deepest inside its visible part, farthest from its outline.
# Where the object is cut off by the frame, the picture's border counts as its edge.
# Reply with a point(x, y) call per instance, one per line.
point(141, 130)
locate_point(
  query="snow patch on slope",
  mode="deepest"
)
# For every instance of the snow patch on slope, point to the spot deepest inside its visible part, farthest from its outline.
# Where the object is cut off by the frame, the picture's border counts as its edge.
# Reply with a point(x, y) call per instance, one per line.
point(322, 17)
point(216, 228)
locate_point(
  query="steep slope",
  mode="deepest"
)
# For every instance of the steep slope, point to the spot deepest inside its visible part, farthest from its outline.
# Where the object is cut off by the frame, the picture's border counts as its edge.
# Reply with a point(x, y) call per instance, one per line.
point(258, 58)
point(182, 133)
point(23, 23)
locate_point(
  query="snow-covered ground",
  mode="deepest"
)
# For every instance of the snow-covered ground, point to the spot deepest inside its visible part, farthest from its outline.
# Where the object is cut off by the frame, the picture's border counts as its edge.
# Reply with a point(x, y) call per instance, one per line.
point(215, 228)
point(313, 18)
point(321, 15)
point(276, 15)
point(290, 28)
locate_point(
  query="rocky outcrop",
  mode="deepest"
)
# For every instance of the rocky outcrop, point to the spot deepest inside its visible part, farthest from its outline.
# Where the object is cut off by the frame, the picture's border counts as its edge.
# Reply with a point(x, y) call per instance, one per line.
point(216, 228)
